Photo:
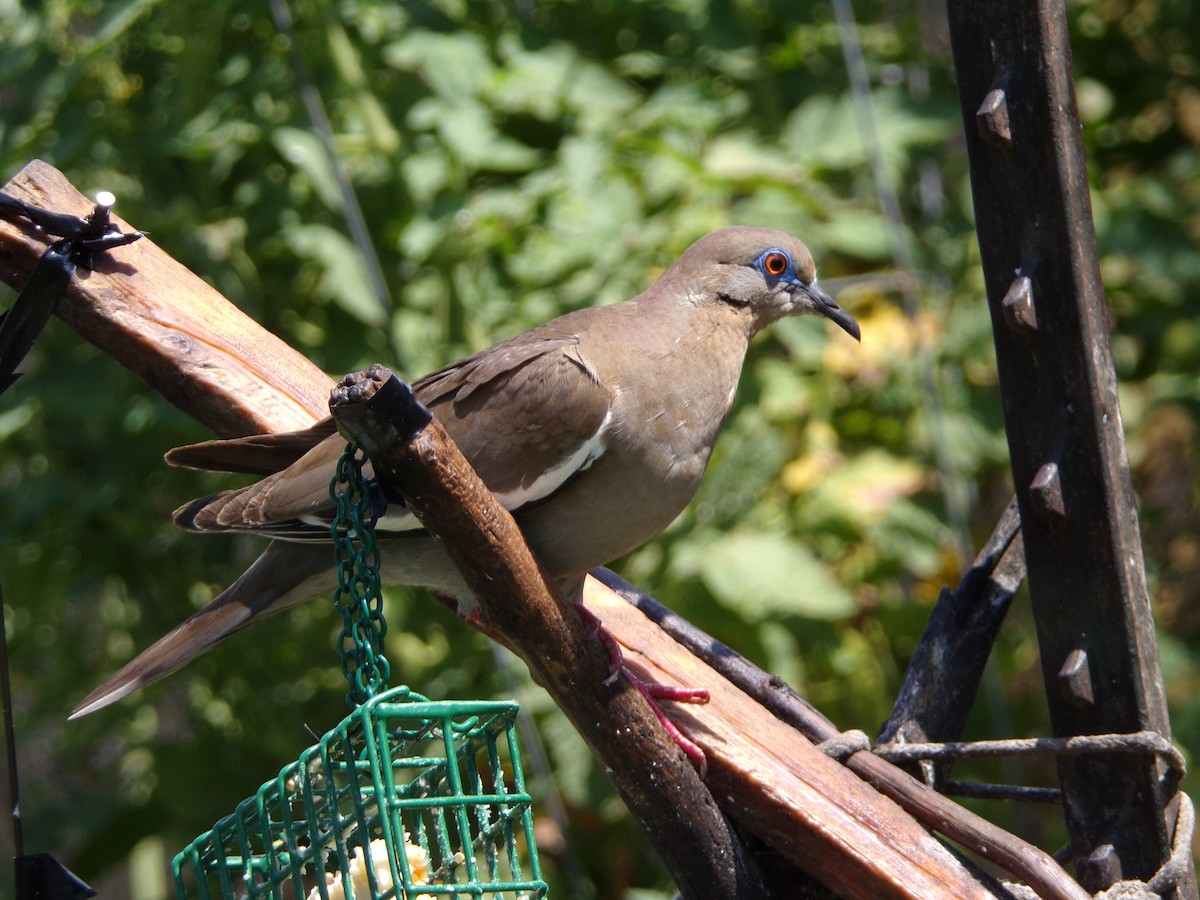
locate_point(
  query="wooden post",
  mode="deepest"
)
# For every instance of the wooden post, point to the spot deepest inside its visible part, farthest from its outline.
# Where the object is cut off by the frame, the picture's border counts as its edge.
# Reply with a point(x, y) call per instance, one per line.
point(1078, 513)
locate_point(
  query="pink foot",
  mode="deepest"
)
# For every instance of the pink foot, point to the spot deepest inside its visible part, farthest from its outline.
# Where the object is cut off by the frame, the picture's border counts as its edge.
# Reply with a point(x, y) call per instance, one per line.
point(653, 692)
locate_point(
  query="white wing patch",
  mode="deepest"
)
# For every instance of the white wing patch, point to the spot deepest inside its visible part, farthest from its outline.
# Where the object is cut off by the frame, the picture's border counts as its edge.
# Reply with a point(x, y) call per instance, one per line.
point(397, 519)
point(552, 479)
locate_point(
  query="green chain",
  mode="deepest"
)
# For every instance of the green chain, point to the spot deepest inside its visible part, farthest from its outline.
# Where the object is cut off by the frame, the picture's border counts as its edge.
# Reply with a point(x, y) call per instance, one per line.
point(358, 596)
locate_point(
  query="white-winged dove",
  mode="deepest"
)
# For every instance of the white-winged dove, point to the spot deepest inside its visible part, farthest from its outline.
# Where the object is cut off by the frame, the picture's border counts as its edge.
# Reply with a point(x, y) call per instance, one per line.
point(593, 429)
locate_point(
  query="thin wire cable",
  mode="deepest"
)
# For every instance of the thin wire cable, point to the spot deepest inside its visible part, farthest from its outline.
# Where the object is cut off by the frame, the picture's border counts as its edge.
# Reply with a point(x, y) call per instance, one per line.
point(954, 489)
point(956, 492)
point(355, 221)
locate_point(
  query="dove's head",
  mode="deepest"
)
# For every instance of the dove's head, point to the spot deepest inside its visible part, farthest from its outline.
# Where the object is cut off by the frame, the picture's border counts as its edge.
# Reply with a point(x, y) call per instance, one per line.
point(765, 274)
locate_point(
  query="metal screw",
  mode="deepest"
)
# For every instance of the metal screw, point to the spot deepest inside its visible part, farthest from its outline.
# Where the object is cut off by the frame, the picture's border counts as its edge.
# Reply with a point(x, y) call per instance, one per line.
point(1075, 679)
point(992, 119)
point(1045, 492)
point(1017, 304)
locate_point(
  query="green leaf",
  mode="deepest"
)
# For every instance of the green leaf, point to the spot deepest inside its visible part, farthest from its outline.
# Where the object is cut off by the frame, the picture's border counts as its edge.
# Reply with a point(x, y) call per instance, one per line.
point(765, 574)
point(915, 536)
point(824, 131)
point(551, 79)
point(343, 274)
point(742, 157)
point(304, 151)
point(469, 133)
point(864, 487)
point(860, 234)
point(455, 66)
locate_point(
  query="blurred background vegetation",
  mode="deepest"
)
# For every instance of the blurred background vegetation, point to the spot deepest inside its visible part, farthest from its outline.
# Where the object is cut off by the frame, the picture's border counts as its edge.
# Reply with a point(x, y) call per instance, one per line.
point(515, 160)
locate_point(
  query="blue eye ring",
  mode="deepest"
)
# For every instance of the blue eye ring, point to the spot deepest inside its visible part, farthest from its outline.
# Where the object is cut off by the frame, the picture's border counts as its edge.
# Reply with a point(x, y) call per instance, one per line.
point(774, 263)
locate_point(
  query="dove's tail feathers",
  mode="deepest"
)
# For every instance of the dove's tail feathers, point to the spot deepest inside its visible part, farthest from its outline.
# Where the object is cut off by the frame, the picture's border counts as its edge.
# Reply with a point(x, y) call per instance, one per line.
point(293, 504)
point(286, 574)
point(258, 454)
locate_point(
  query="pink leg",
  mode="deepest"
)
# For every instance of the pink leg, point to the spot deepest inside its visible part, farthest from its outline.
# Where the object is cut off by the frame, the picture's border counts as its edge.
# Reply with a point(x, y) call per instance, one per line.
point(652, 691)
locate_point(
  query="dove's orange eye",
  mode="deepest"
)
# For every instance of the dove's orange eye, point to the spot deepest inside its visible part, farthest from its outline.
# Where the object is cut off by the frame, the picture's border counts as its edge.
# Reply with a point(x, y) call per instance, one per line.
point(774, 263)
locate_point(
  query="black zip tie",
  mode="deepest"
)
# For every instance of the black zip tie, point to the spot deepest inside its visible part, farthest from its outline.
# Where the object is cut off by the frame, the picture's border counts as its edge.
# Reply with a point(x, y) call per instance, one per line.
point(80, 238)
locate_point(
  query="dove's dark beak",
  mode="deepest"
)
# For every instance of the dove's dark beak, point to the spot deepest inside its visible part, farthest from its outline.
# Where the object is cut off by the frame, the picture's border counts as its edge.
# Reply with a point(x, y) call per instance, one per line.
point(826, 306)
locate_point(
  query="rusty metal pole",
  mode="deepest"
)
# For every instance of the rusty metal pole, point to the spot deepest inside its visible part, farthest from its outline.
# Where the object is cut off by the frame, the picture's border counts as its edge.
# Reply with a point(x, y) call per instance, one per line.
point(1069, 463)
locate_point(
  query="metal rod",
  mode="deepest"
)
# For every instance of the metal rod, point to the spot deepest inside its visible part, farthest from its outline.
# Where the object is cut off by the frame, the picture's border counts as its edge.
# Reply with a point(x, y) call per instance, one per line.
point(13, 798)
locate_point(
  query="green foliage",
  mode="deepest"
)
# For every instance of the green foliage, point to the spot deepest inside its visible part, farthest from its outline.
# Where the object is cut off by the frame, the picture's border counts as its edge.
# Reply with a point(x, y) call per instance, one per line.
point(514, 161)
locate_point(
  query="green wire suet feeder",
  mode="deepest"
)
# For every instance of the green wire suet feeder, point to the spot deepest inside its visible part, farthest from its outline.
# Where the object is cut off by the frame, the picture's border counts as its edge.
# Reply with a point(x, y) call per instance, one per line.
point(407, 798)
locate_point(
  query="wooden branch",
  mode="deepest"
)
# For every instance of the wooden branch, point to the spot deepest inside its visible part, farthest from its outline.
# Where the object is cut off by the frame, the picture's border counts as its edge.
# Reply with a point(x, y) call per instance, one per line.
point(168, 326)
point(811, 809)
point(802, 802)
point(936, 811)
